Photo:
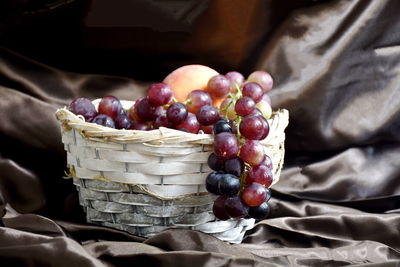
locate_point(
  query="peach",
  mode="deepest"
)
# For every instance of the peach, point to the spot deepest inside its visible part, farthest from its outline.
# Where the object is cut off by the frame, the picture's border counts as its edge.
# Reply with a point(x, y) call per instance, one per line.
point(188, 78)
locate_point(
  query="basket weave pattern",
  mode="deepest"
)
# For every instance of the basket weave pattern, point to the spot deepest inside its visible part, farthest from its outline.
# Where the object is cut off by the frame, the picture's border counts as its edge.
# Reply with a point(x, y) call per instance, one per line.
point(144, 182)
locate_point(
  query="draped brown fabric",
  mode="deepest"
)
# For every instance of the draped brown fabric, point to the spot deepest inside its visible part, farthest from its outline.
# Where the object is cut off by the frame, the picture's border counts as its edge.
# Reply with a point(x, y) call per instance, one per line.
point(336, 66)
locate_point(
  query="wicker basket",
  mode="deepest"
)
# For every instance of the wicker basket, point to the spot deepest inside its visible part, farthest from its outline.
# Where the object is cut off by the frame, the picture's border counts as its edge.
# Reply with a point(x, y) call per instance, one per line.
point(144, 182)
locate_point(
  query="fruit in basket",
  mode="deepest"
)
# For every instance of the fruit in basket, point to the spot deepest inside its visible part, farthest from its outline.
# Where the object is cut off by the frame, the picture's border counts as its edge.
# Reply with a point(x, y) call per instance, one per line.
point(262, 78)
point(245, 106)
point(177, 113)
point(254, 91)
point(219, 86)
point(253, 195)
point(226, 145)
point(229, 185)
point(190, 124)
point(207, 115)
point(188, 78)
point(83, 106)
point(104, 120)
point(235, 78)
point(196, 99)
point(110, 106)
point(159, 94)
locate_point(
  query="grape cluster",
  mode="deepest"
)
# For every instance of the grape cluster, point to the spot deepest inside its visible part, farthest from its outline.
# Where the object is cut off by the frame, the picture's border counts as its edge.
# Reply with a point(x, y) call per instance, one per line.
point(242, 171)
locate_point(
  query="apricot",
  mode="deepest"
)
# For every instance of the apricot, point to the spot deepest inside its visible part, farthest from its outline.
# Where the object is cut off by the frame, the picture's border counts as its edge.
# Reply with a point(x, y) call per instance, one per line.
point(188, 78)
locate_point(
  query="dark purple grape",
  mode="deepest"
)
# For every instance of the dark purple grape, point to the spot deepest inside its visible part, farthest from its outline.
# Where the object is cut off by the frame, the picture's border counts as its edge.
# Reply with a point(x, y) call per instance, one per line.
point(207, 115)
point(212, 182)
point(215, 162)
point(253, 90)
point(259, 212)
point(147, 112)
point(159, 94)
point(122, 121)
point(222, 126)
point(268, 192)
point(206, 129)
point(110, 106)
point(265, 128)
point(177, 113)
point(229, 185)
point(190, 124)
point(252, 127)
point(234, 166)
point(244, 106)
point(83, 106)
point(235, 208)
point(226, 145)
point(142, 126)
point(104, 120)
point(219, 208)
point(162, 121)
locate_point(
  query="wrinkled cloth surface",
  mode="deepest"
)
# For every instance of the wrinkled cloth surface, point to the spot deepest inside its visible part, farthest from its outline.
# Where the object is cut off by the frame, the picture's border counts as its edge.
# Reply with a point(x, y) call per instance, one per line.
point(336, 66)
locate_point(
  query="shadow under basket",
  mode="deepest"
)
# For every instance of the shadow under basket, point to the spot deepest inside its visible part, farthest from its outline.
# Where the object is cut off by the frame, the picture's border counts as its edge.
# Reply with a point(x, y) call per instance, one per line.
point(144, 182)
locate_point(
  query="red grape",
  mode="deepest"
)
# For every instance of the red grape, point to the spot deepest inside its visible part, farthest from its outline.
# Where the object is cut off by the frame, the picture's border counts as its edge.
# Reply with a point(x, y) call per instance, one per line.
point(256, 112)
point(206, 129)
point(190, 124)
point(83, 106)
point(207, 115)
point(226, 145)
point(142, 126)
point(228, 109)
point(132, 112)
point(260, 174)
point(252, 152)
point(259, 212)
point(244, 106)
point(177, 113)
point(104, 120)
point(265, 128)
point(122, 121)
point(252, 127)
point(234, 166)
point(215, 163)
point(159, 94)
point(263, 78)
point(219, 208)
point(235, 78)
point(162, 121)
point(218, 86)
point(235, 208)
point(110, 106)
point(267, 162)
point(147, 112)
point(253, 195)
point(253, 90)
point(197, 99)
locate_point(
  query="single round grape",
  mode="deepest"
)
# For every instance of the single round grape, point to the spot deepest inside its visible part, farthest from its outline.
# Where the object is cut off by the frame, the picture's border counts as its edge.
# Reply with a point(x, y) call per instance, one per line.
point(212, 182)
point(215, 163)
point(190, 124)
point(265, 109)
point(235, 78)
point(218, 86)
point(262, 78)
point(226, 145)
point(206, 129)
point(252, 127)
point(252, 152)
point(267, 99)
point(253, 195)
point(244, 106)
point(260, 174)
point(159, 94)
point(207, 115)
point(122, 121)
point(197, 99)
point(83, 106)
point(235, 208)
point(267, 162)
point(104, 120)
point(132, 112)
point(147, 112)
point(227, 108)
point(234, 166)
point(259, 212)
point(110, 106)
point(229, 185)
point(219, 208)
point(256, 112)
point(177, 113)
point(222, 126)
point(265, 128)
point(253, 90)
point(142, 126)
point(162, 121)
